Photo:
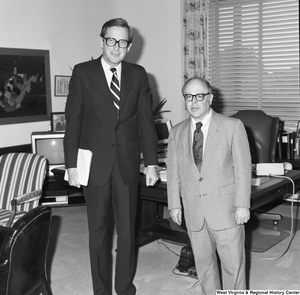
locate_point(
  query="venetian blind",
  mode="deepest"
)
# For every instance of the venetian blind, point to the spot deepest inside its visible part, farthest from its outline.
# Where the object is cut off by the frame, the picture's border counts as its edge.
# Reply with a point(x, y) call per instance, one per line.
point(254, 57)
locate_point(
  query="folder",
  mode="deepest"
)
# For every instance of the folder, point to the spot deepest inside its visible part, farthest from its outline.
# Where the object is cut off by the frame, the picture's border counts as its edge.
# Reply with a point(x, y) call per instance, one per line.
point(84, 160)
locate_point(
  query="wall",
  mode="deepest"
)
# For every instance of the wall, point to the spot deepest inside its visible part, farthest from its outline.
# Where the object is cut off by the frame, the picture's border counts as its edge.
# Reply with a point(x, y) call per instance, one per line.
point(70, 29)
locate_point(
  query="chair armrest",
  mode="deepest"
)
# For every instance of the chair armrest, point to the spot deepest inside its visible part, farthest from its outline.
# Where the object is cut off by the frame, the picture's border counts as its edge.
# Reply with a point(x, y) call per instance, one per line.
point(28, 197)
point(32, 196)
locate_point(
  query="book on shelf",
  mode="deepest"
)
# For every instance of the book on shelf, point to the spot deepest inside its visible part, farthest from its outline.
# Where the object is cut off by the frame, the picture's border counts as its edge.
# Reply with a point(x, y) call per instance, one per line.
point(286, 145)
point(54, 200)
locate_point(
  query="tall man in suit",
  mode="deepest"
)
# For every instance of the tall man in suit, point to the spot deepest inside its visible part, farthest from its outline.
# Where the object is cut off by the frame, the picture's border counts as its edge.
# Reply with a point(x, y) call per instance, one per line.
point(216, 195)
point(113, 130)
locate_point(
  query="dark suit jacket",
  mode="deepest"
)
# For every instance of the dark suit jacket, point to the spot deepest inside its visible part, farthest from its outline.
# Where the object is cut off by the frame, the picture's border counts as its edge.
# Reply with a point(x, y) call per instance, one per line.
point(92, 123)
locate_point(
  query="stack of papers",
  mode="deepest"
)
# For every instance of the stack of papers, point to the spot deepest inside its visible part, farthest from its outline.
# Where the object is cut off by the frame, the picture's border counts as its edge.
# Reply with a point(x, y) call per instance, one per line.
point(162, 173)
point(84, 160)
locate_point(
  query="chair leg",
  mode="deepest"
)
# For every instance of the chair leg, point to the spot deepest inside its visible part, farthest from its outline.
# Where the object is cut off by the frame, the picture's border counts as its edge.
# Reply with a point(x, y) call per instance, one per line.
point(268, 216)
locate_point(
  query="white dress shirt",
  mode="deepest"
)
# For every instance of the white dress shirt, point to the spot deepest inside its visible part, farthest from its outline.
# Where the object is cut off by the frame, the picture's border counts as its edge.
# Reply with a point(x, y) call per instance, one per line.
point(205, 125)
point(108, 73)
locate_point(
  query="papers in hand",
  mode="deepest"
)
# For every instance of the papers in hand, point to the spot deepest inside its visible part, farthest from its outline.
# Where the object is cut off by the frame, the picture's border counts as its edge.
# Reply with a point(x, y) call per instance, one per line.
point(84, 160)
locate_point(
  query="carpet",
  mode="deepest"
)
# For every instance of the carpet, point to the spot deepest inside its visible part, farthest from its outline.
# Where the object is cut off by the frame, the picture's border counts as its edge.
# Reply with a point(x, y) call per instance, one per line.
point(263, 235)
point(69, 269)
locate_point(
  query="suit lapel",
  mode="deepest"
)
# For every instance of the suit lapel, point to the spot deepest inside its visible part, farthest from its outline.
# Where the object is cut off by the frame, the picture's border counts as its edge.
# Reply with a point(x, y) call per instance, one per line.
point(126, 81)
point(187, 147)
point(214, 133)
point(186, 139)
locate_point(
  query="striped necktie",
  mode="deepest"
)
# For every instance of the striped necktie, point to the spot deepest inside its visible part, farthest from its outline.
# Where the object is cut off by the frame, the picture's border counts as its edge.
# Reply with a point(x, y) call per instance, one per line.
point(198, 145)
point(115, 89)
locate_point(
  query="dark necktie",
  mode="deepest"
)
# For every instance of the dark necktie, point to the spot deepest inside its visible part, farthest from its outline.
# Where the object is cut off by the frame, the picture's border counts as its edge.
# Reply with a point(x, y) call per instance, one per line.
point(115, 89)
point(198, 145)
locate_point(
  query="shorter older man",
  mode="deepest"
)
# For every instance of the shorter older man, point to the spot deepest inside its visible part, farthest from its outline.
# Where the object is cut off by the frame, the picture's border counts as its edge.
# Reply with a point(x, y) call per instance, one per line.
point(209, 172)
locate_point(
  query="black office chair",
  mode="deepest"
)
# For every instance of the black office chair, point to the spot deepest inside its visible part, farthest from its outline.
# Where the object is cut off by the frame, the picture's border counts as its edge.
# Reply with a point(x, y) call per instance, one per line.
point(23, 254)
point(263, 132)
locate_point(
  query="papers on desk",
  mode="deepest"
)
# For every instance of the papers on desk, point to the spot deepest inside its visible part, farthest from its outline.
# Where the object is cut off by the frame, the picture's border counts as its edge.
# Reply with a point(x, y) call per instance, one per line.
point(84, 160)
point(162, 173)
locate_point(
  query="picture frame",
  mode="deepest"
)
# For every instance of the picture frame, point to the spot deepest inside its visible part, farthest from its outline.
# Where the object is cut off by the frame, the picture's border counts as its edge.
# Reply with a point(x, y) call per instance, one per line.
point(298, 130)
point(25, 85)
point(58, 122)
point(61, 85)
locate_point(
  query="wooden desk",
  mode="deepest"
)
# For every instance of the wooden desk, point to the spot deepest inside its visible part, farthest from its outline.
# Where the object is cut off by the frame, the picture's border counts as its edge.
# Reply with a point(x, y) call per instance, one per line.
point(270, 189)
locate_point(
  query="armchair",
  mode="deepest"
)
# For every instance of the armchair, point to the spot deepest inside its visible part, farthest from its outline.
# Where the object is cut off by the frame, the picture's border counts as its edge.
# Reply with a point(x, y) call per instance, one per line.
point(23, 254)
point(263, 132)
point(21, 181)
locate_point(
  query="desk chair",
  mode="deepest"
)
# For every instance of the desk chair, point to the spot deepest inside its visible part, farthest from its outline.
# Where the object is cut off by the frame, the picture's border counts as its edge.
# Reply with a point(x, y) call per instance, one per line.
point(21, 180)
point(23, 254)
point(263, 132)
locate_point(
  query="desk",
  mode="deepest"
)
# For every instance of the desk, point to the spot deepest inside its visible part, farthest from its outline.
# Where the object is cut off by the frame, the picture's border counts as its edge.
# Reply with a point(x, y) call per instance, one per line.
point(270, 189)
point(150, 223)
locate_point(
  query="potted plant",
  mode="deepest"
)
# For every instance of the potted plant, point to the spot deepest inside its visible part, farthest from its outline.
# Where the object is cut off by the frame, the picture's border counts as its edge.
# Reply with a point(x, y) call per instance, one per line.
point(157, 110)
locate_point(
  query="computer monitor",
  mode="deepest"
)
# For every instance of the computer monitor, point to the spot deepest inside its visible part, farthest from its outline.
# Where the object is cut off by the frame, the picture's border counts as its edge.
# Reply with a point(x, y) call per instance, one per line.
point(163, 127)
point(49, 145)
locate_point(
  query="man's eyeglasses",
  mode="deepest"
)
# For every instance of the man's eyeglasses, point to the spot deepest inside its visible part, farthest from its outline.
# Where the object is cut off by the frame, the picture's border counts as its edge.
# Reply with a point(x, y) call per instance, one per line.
point(111, 42)
point(199, 96)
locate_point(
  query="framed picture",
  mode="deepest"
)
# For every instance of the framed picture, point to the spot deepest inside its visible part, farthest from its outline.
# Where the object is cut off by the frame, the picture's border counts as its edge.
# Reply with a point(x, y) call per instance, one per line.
point(61, 84)
point(58, 122)
point(25, 94)
point(298, 130)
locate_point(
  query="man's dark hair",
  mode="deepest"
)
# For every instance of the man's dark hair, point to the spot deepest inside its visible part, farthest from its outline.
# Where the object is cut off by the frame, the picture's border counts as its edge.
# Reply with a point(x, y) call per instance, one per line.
point(117, 22)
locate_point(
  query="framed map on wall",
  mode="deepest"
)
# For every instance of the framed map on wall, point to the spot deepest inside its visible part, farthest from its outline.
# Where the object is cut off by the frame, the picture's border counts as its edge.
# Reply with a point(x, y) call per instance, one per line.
point(25, 91)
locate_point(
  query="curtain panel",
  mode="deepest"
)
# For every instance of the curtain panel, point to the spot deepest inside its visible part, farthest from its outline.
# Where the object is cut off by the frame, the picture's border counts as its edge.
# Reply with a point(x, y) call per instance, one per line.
point(195, 19)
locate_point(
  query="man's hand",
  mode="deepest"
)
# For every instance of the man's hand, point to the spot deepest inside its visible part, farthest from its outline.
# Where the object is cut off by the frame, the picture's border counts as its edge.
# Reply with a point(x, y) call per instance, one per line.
point(176, 215)
point(242, 215)
point(151, 176)
point(73, 177)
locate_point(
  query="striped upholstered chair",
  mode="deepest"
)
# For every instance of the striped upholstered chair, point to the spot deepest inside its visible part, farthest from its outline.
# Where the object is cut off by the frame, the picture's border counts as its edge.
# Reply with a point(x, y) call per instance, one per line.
point(21, 180)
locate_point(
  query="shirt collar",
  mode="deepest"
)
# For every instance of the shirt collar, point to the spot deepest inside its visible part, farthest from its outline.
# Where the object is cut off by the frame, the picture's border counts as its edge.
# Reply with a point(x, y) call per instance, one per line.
point(107, 67)
point(204, 122)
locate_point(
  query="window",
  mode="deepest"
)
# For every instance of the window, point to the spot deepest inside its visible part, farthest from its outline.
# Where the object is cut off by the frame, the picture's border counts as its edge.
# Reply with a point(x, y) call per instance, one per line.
point(254, 57)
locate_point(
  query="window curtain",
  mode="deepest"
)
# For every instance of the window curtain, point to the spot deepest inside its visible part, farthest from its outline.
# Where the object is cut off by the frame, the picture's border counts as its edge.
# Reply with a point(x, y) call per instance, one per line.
point(195, 51)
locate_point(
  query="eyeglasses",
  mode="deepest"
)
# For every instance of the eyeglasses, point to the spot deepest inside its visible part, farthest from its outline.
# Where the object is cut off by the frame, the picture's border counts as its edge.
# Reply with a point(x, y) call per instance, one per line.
point(111, 42)
point(199, 96)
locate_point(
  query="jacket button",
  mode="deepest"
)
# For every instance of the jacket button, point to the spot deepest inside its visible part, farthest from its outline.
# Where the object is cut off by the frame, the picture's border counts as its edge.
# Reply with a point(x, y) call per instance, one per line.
point(200, 179)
